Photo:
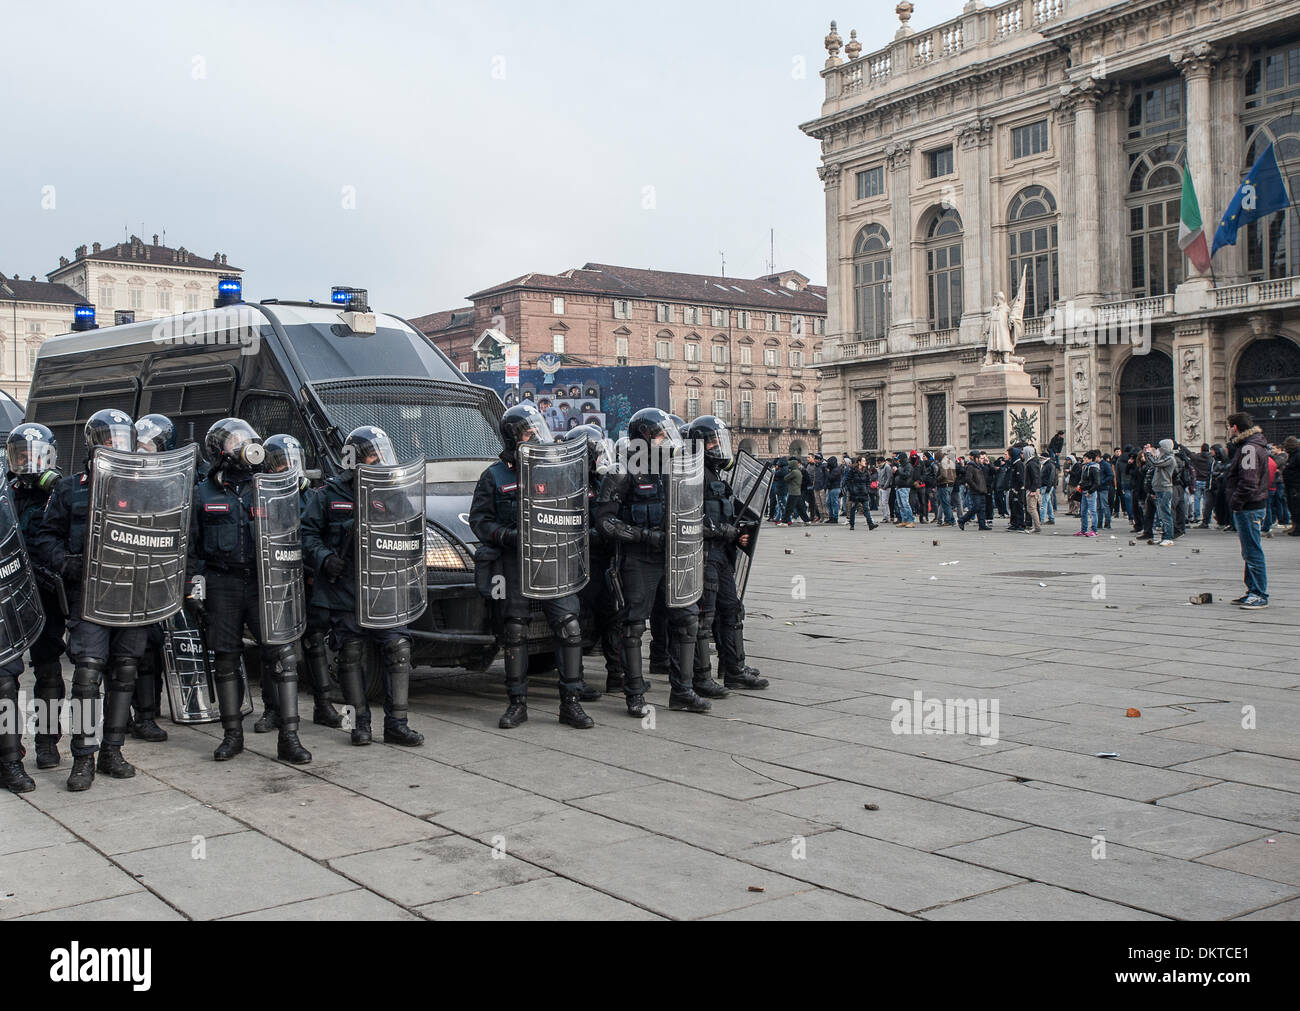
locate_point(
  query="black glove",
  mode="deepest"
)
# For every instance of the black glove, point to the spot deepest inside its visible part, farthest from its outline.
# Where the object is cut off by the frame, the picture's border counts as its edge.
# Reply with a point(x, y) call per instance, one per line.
point(728, 533)
point(654, 539)
point(510, 538)
point(332, 568)
point(73, 568)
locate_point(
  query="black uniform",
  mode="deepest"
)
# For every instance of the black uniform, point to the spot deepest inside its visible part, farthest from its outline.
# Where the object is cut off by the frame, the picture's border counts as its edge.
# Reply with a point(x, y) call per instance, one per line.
point(858, 483)
point(223, 550)
point(598, 599)
point(59, 544)
point(633, 510)
point(722, 531)
point(328, 530)
point(29, 503)
point(494, 518)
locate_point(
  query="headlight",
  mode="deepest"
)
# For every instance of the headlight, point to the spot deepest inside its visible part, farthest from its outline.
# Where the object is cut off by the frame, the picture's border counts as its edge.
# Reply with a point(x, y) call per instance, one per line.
point(443, 554)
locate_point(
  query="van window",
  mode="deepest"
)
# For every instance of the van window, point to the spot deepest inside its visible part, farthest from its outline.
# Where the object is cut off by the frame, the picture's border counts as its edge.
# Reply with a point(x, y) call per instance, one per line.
point(65, 411)
point(194, 399)
point(425, 419)
point(272, 415)
point(334, 352)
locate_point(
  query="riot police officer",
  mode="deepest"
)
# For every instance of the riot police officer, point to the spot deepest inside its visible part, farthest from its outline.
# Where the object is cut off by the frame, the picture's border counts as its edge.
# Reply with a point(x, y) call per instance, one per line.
point(725, 530)
point(59, 545)
point(284, 452)
point(328, 549)
point(33, 473)
point(154, 433)
point(494, 518)
point(223, 552)
point(597, 598)
point(632, 508)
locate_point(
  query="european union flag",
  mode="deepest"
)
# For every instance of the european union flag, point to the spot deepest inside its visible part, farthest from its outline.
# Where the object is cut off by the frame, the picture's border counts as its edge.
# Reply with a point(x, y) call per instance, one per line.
point(1263, 193)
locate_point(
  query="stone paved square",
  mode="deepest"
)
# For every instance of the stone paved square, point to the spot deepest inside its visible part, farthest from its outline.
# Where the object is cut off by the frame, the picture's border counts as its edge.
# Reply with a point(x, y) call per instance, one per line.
point(692, 818)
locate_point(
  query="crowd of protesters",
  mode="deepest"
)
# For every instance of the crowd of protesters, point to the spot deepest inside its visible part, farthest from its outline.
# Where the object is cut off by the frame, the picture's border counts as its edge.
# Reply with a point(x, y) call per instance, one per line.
point(1246, 486)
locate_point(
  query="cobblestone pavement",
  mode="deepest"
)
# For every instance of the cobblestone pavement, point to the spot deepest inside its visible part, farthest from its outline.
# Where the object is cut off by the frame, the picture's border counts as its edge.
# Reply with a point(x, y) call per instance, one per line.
point(798, 802)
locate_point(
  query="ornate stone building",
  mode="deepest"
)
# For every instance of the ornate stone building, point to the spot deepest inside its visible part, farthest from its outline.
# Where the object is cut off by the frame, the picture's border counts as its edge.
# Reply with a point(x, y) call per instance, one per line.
point(1045, 140)
point(745, 350)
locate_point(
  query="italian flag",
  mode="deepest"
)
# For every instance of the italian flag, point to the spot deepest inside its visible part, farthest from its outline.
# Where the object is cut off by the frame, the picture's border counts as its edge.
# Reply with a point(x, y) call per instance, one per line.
point(1191, 236)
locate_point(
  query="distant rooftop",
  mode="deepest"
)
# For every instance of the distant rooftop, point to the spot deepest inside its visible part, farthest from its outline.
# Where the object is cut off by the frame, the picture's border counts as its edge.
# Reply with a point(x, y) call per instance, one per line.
point(136, 250)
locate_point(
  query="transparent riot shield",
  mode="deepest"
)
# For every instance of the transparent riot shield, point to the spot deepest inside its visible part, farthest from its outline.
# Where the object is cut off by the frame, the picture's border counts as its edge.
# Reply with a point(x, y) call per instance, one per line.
point(751, 484)
point(390, 545)
point(684, 572)
point(21, 615)
point(554, 529)
point(137, 536)
point(276, 514)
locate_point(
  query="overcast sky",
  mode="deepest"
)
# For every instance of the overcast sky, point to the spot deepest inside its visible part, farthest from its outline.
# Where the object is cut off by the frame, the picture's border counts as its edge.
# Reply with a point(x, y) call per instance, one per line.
point(476, 140)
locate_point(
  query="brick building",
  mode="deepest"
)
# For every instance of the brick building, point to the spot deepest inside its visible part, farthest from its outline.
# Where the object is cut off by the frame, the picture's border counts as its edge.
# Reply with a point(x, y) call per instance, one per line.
point(742, 349)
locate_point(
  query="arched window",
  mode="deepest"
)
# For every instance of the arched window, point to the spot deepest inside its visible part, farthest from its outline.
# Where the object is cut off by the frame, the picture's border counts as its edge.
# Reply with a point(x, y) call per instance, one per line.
point(1273, 243)
point(1155, 199)
point(943, 269)
point(1033, 249)
point(872, 269)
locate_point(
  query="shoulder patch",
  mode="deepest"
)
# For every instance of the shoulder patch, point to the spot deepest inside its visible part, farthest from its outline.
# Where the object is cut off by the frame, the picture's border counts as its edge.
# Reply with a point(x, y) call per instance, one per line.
point(342, 507)
point(84, 478)
point(216, 507)
point(506, 489)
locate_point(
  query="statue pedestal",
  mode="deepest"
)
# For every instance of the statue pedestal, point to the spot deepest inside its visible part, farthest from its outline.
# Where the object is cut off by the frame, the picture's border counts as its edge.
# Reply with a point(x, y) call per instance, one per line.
point(1002, 399)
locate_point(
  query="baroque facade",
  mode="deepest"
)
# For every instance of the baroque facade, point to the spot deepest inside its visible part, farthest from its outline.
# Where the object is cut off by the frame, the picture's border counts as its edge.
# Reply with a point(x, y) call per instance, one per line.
point(1037, 147)
point(742, 349)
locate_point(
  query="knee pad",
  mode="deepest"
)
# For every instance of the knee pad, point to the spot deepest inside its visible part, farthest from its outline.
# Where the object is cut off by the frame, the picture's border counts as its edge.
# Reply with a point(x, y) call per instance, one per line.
point(350, 653)
point(569, 630)
point(281, 661)
point(683, 624)
point(514, 632)
point(227, 667)
point(124, 673)
point(313, 643)
point(87, 677)
point(397, 654)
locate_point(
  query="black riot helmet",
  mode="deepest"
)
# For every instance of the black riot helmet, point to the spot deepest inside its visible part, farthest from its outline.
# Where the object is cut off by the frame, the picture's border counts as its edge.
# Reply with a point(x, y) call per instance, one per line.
point(600, 455)
point(523, 424)
point(368, 446)
point(110, 429)
point(714, 438)
point(653, 426)
point(155, 433)
point(283, 452)
point(232, 443)
point(31, 450)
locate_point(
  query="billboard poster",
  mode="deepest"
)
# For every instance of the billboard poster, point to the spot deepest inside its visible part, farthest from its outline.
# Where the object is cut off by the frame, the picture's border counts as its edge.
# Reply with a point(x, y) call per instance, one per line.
point(605, 397)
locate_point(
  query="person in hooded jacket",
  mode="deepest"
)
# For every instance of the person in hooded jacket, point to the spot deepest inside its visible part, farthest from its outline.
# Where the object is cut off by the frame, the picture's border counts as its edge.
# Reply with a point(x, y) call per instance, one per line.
point(1247, 490)
point(1291, 482)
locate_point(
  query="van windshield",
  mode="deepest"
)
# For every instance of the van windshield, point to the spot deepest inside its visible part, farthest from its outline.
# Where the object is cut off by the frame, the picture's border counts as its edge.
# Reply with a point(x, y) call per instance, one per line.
point(425, 419)
point(334, 352)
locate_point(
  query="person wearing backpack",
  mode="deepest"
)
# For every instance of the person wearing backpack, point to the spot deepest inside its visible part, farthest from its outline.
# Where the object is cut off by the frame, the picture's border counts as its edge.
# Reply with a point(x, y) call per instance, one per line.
point(1089, 486)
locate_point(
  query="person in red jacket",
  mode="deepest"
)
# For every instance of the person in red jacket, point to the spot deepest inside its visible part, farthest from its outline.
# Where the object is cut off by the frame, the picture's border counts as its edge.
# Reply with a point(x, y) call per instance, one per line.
point(1248, 482)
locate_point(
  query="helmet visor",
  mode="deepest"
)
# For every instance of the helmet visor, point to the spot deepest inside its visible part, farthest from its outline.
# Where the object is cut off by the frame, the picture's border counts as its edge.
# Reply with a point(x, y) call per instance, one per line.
point(284, 455)
point(149, 436)
point(377, 451)
point(30, 454)
point(116, 435)
point(534, 429)
point(717, 445)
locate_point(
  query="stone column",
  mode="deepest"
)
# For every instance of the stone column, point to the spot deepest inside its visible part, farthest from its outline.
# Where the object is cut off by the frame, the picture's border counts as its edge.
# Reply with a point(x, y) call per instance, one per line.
point(1197, 63)
point(1191, 385)
point(1084, 97)
point(831, 176)
point(974, 139)
point(1227, 96)
point(1067, 237)
point(1113, 185)
point(900, 234)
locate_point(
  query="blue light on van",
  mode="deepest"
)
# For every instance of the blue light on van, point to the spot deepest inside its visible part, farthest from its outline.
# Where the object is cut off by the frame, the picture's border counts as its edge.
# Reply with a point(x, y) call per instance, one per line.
point(230, 291)
point(352, 299)
point(83, 317)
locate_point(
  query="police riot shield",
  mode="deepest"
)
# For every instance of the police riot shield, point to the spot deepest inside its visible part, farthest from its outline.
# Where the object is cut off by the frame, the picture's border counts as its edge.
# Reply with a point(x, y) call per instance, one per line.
point(187, 671)
point(390, 550)
point(751, 484)
point(684, 572)
point(276, 515)
point(554, 538)
point(138, 535)
point(21, 614)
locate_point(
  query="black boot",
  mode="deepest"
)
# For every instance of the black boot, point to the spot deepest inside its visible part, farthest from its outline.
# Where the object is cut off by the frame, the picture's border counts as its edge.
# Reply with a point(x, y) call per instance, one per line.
point(354, 692)
point(589, 693)
point(270, 718)
point(49, 689)
point(515, 656)
point(741, 676)
point(316, 666)
point(634, 685)
point(83, 773)
point(571, 683)
point(613, 684)
point(13, 777)
point(117, 712)
point(113, 764)
point(703, 683)
point(285, 672)
point(232, 721)
point(397, 665)
point(145, 725)
point(681, 694)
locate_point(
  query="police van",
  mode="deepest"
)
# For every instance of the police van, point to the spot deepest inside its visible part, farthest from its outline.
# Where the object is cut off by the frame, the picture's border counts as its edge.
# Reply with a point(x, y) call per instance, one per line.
point(314, 371)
